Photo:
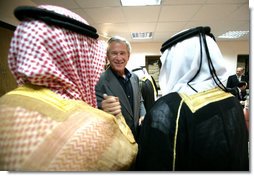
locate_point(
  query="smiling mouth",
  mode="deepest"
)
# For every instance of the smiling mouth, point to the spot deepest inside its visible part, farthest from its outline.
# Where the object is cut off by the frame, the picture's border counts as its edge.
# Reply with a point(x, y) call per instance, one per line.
point(119, 63)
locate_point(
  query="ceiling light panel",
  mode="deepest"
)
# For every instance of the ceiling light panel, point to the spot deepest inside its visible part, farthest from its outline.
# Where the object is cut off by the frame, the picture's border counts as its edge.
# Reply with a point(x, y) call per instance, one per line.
point(140, 2)
point(234, 34)
point(141, 35)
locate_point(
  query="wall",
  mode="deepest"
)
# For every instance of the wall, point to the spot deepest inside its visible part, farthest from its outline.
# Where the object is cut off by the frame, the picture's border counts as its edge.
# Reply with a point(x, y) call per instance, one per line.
point(7, 81)
point(7, 7)
point(139, 51)
point(229, 49)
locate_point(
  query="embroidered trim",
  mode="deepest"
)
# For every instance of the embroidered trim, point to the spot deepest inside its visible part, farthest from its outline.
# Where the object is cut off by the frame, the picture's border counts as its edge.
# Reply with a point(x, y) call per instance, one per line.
point(199, 100)
point(44, 101)
point(154, 88)
point(176, 131)
point(45, 95)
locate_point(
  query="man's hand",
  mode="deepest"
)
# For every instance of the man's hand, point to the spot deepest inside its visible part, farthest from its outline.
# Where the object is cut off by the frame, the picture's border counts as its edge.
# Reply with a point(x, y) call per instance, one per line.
point(242, 103)
point(111, 105)
point(140, 120)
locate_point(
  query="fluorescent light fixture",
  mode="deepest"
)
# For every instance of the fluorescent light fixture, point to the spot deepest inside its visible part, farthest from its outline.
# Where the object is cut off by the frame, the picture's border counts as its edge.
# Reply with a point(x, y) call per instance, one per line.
point(140, 2)
point(233, 34)
point(141, 35)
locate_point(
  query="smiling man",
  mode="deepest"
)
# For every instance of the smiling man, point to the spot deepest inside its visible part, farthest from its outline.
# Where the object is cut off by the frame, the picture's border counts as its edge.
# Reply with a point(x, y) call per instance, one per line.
point(121, 86)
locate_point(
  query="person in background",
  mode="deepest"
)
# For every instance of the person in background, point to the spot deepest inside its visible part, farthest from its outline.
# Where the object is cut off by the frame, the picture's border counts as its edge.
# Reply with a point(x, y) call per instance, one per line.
point(233, 80)
point(51, 121)
point(240, 92)
point(246, 112)
point(196, 125)
point(120, 85)
point(148, 87)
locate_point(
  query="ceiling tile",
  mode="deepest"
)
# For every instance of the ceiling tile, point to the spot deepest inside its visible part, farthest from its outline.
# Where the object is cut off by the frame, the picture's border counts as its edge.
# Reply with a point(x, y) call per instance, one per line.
point(185, 2)
point(178, 13)
point(141, 14)
point(106, 15)
point(98, 3)
point(113, 28)
point(172, 26)
point(207, 12)
point(142, 27)
point(242, 12)
point(62, 3)
point(226, 1)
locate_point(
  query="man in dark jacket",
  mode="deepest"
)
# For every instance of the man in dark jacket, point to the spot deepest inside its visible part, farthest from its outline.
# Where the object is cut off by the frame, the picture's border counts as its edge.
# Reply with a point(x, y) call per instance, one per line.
point(240, 92)
point(120, 86)
point(148, 87)
point(233, 80)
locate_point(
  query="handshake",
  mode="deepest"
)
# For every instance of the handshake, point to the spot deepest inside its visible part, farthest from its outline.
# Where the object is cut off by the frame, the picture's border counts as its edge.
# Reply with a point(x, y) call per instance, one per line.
point(111, 104)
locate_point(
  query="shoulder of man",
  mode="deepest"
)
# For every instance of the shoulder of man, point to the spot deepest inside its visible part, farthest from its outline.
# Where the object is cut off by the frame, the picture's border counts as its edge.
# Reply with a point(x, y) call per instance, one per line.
point(102, 75)
point(107, 73)
point(134, 76)
point(231, 76)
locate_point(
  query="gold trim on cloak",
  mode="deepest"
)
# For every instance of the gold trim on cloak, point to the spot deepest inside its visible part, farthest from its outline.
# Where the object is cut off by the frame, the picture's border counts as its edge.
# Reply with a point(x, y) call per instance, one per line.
point(195, 102)
point(199, 100)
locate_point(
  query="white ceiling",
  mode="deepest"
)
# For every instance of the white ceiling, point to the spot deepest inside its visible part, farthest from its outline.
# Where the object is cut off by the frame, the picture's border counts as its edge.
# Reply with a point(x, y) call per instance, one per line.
point(172, 16)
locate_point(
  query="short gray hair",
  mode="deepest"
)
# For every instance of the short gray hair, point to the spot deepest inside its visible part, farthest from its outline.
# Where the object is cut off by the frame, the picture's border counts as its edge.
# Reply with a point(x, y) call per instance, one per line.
point(120, 40)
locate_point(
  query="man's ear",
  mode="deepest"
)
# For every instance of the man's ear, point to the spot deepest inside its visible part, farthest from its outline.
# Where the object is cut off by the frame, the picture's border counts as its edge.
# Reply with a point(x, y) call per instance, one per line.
point(106, 63)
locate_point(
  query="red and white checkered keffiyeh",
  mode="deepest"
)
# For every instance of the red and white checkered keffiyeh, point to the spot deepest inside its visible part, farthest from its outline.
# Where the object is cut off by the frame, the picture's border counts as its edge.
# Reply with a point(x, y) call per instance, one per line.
point(64, 61)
